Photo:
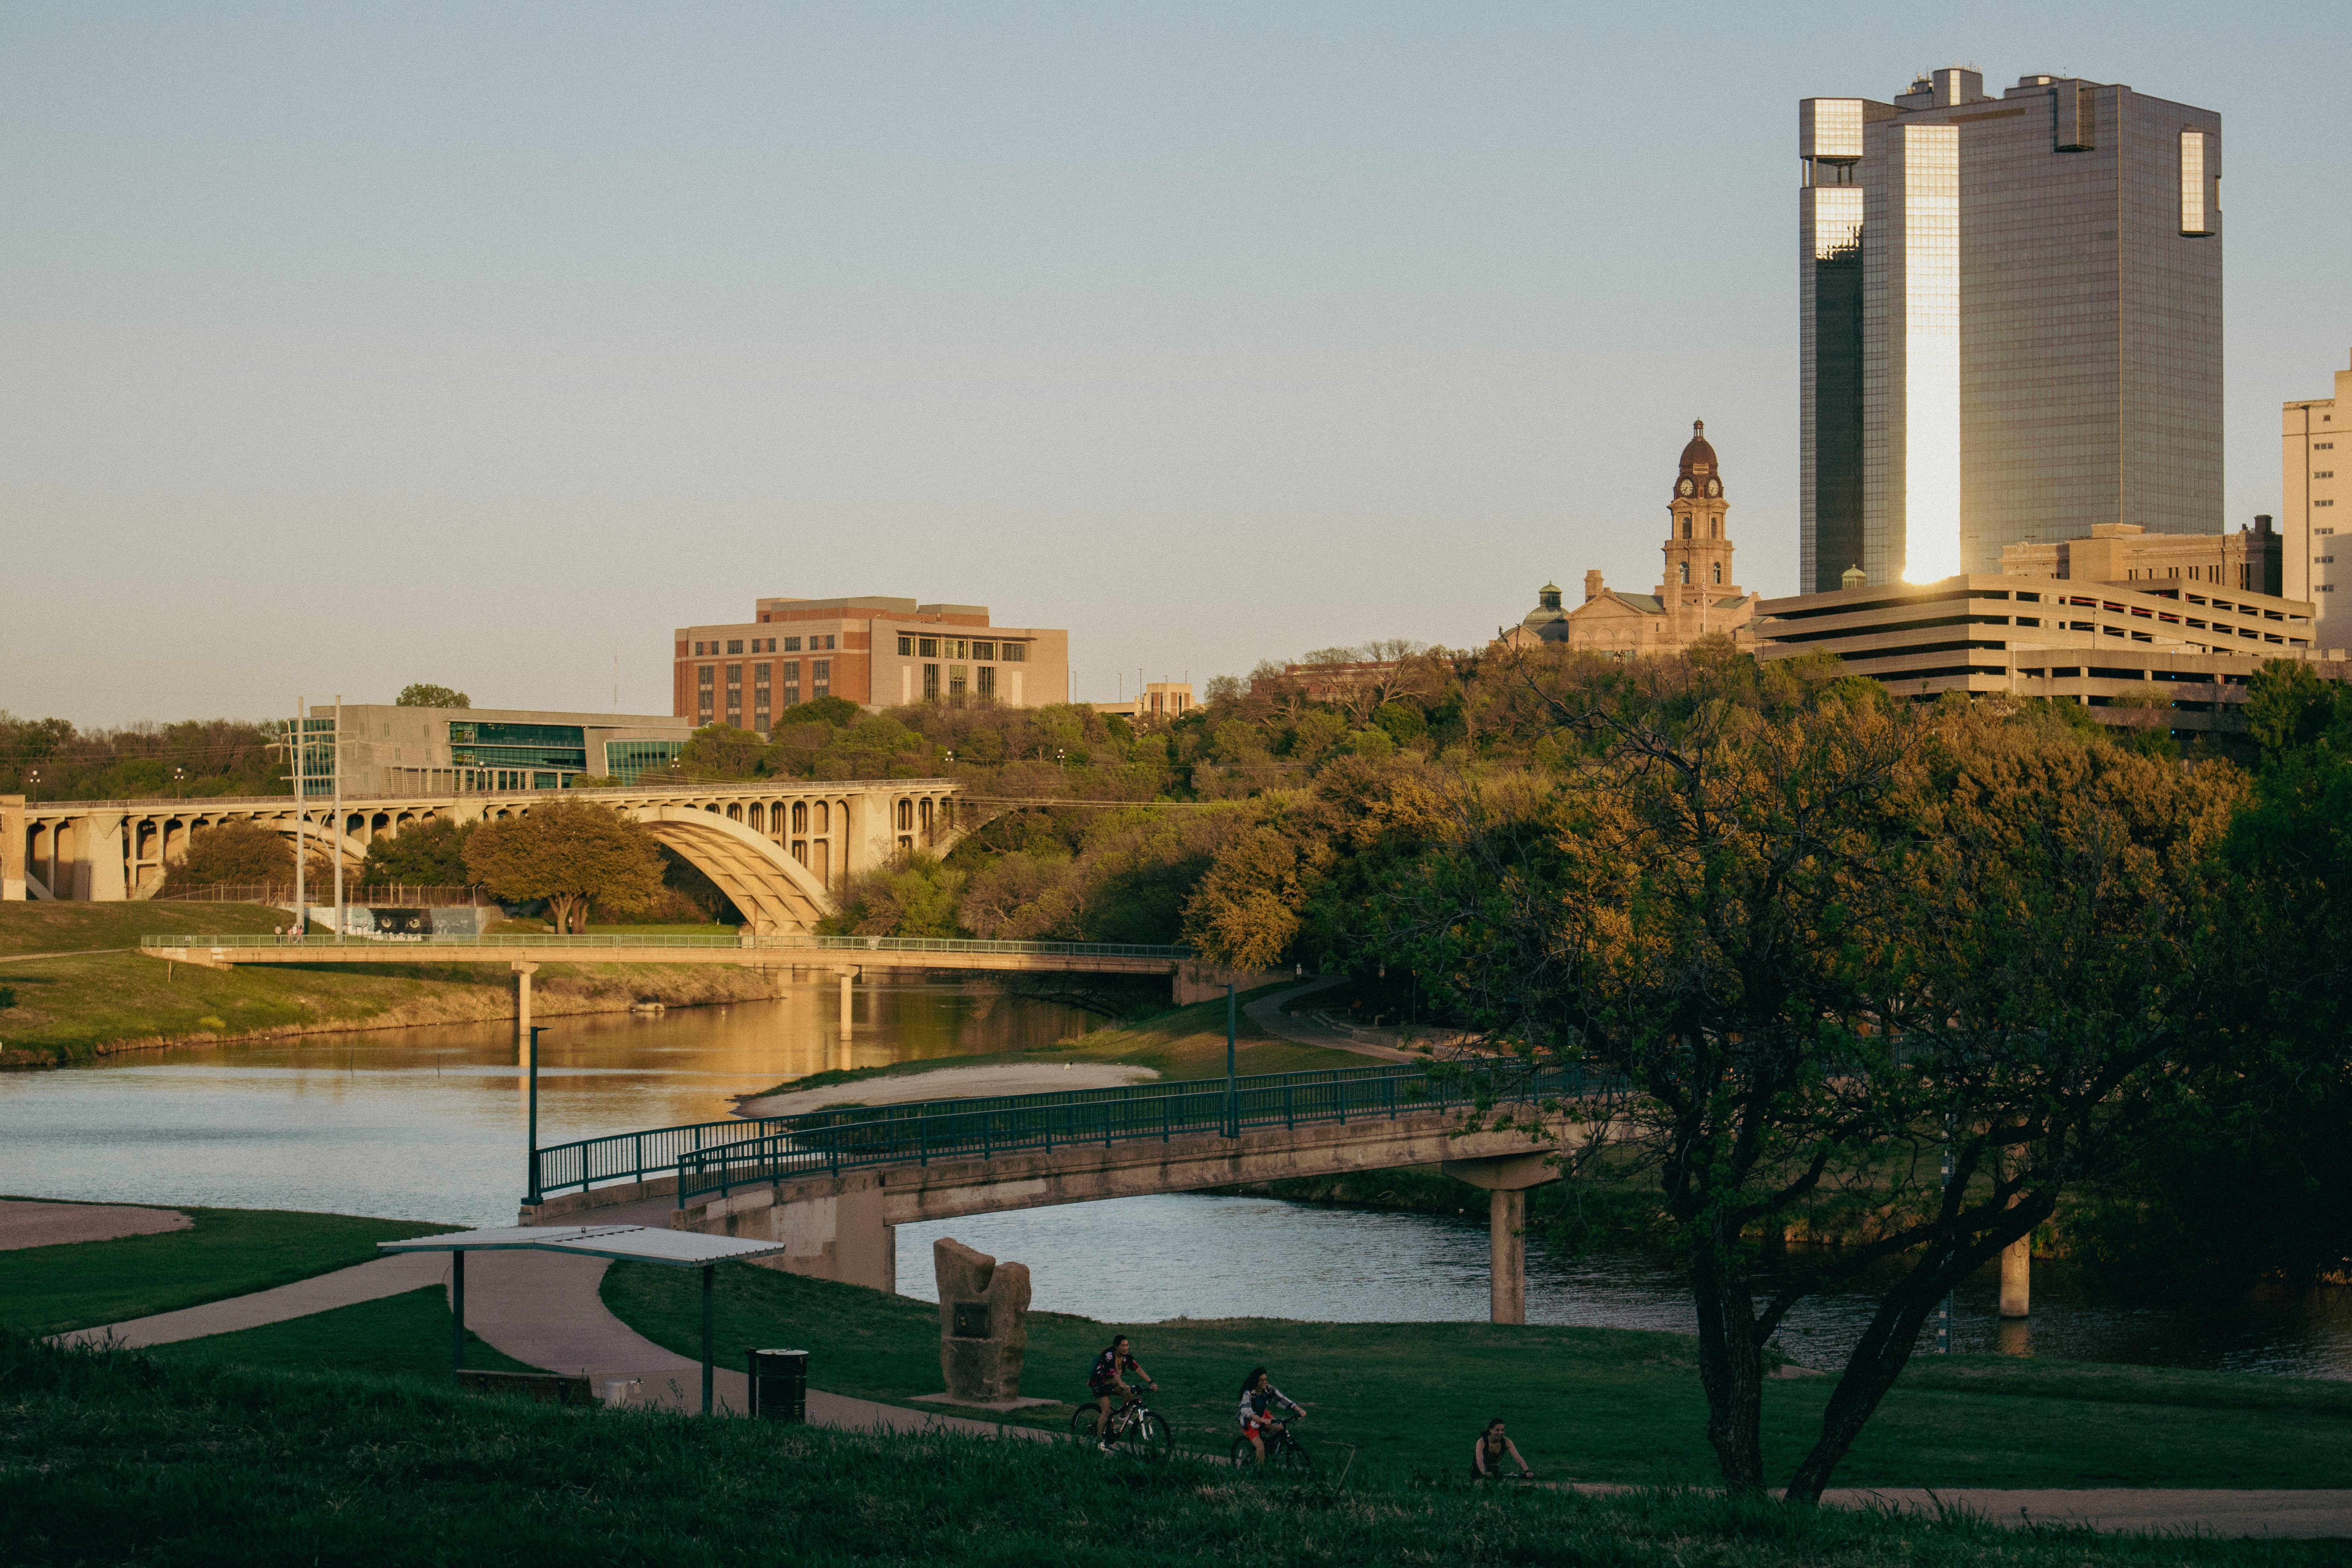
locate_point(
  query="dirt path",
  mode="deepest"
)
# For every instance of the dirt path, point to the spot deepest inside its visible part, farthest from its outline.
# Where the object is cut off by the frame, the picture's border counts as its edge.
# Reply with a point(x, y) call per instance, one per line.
point(28, 1222)
point(950, 1083)
point(1267, 1013)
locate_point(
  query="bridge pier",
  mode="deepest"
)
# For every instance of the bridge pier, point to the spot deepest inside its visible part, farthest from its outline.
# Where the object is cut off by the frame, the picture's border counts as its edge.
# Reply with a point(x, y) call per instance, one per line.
point(522, 973)
point(1506, 1180)
point(2017, 1279)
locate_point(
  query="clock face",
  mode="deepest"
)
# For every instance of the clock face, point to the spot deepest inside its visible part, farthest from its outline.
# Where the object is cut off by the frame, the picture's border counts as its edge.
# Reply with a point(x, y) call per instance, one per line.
point(1714, 487)
point(1685, 487)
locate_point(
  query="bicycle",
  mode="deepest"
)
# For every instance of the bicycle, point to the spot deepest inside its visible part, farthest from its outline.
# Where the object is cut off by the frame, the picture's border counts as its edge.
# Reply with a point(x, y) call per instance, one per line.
point(1284, 1452)
point(1134, 1426)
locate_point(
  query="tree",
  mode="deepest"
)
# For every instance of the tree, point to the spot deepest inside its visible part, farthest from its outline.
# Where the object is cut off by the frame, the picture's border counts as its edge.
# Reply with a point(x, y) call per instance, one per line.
point(915, 896)
point(234, 854)
point(430, 853)
point(424, 694)
point(724, 752)
point(567, 852)
point(1820, 942)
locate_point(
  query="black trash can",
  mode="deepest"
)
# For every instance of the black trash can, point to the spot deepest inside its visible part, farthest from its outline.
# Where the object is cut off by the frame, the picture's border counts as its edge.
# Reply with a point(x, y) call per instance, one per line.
point(779, 1385)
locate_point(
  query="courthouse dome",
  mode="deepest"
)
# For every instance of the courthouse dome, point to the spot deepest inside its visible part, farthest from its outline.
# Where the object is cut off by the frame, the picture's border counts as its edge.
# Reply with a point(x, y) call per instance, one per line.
point(1699, 463)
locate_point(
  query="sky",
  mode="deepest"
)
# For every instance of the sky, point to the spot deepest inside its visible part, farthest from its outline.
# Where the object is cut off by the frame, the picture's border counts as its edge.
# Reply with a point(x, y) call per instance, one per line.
point(345, 346)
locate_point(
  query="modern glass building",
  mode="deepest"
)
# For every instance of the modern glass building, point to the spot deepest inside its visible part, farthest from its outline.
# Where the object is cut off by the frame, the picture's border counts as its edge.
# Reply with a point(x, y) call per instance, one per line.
point(2011, 322)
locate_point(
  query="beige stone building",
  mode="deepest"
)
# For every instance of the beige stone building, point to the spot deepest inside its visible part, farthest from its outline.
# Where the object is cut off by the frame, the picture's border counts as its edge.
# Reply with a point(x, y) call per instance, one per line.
point(1698, 595)
point(2311, 502)
point(1160, 702)
point(2251, 559)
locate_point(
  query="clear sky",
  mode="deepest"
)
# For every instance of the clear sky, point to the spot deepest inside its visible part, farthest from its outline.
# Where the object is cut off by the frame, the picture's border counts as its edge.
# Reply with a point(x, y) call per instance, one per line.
point(343, 346)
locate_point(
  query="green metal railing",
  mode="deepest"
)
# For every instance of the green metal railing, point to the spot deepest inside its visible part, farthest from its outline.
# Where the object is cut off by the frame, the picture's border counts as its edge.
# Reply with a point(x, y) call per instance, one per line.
point(864, 1137)
point(849, 944)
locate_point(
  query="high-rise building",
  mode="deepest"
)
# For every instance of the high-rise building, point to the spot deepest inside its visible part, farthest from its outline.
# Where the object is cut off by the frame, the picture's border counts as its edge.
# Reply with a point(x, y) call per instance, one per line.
point(2309, 514)
point(2011, 322)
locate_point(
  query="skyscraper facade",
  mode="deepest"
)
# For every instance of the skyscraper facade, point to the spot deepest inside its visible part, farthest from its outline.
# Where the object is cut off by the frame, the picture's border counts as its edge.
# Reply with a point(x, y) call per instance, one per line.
point(2011, 320)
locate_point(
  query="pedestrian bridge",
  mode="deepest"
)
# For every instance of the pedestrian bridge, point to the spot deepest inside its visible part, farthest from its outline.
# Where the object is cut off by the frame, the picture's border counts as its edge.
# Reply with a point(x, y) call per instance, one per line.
point(831, 1186)
point(848, 956)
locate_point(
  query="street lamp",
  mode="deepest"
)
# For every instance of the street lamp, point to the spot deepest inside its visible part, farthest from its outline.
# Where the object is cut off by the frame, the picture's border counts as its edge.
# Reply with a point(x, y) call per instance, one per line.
point(178, 778)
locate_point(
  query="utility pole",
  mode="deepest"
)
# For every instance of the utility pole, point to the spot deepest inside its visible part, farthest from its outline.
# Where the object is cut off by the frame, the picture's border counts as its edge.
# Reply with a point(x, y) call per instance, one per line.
point(301, 904)
point(335, 845)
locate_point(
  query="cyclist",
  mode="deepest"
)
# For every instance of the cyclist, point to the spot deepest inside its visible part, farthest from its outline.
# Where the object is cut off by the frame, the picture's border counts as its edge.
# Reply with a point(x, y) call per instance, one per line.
point(1487, 1453)
point(1260, 1400)
point(1107, 1384)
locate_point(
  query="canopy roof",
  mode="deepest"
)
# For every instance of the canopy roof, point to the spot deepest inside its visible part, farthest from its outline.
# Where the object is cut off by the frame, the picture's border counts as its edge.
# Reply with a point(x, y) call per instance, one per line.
point(643, 1244)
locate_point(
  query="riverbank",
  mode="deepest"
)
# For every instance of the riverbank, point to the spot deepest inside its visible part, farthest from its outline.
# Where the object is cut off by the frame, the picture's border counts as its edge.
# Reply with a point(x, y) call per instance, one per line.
point(83, 991)
point(133, 1457)
point(1179, 1043)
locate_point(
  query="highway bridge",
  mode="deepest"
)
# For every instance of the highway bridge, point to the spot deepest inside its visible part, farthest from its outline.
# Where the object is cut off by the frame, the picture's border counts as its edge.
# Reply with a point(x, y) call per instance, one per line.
point(832, 1186)
point(783, 849)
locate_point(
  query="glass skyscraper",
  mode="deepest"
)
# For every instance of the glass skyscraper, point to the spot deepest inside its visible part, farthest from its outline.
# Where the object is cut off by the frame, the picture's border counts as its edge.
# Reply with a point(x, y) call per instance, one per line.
point(2011, 322)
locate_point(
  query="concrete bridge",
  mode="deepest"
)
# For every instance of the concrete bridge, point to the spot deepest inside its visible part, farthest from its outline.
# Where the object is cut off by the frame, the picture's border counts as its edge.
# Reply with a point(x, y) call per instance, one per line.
point(781, 850)
point(831, 1187)
point(850, 957)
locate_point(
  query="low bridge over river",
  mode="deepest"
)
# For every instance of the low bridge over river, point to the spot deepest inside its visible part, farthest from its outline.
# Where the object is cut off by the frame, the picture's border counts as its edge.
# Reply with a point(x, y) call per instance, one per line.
point(781, 848)
point(848, 956)
point(831, 1186)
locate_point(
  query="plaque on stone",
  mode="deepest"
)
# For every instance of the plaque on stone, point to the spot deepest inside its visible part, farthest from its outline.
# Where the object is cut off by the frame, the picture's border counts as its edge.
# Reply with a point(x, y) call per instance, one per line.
point(971, 1320)
point(983, 1323)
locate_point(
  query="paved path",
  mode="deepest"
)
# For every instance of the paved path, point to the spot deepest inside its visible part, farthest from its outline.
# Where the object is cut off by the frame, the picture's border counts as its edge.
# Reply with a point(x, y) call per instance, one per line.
point(29, 1222)
point(363, 1283)
point(66, 953)
point(1267, 1013)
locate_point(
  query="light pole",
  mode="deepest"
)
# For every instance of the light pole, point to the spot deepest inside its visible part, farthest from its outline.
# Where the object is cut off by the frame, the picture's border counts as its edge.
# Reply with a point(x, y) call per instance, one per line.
point(179, 783)
point(301, 889)
point(531, 1184)
point(336, 843)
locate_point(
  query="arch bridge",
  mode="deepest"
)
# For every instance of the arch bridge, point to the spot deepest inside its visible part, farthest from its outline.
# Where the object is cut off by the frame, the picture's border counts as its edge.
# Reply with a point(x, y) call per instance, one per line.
point(783, 849)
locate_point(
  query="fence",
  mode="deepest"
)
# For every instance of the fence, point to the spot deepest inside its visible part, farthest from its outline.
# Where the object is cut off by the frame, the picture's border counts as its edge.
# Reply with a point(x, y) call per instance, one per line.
point(827, 1142)
point(390, 896)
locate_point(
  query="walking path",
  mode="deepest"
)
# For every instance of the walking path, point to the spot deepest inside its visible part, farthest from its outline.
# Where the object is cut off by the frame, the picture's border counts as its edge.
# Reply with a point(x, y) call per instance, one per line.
point(321, 1293)
point(65, 952)
point(31, 1222)
point(1267, 1013)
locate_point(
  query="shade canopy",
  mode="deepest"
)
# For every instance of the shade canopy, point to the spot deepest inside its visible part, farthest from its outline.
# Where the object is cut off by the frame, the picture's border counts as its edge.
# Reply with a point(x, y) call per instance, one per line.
point(636, 1243)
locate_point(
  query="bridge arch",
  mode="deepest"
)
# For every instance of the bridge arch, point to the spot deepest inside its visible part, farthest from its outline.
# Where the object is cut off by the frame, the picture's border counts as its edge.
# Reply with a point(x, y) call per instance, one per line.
point(776, 892)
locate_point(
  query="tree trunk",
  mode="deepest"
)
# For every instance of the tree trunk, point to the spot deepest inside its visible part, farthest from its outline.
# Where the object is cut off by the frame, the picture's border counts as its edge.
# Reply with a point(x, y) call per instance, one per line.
point(1730, 1367)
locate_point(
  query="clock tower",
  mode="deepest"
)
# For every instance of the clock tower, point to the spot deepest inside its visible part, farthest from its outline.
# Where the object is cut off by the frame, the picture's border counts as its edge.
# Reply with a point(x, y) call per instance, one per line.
point(1698, 555)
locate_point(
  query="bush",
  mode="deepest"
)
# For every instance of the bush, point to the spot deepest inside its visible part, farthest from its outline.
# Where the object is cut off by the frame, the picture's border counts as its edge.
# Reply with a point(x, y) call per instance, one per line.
point(236, 853)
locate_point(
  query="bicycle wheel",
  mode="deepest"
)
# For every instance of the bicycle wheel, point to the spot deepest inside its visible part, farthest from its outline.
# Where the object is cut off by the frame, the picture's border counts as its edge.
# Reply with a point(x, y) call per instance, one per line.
point(1082, 1423)
point(1292, 1458)
point(1147, 1436)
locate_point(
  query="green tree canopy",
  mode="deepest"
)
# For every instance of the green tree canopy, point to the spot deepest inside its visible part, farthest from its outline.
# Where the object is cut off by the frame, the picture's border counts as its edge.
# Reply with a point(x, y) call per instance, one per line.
point(424, 694)
point(724, 752)
point(567, 852)
point(427, 854)
point(234, 854)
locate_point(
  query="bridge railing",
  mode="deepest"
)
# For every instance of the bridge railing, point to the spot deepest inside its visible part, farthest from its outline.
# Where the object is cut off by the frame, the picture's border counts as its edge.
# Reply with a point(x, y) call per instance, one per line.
point(830, 945)
point(865, 1136)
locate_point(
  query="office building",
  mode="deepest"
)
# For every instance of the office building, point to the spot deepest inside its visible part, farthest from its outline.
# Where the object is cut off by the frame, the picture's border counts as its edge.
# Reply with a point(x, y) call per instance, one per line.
point(875, 652)
point(2311, 500)
point(389, 750)
point(1697, 594)
point(2252, 559)
point(2009, 320)
point(1159, 702)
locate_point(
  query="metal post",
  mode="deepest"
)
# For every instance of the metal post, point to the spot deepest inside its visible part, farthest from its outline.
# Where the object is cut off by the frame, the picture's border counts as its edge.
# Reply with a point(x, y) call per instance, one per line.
point(532, 1184)
point(302, 895)
point(336, 843)
point(1944, 1311)
point(1232, 1111)
point(457, 1314)
point(709, 1341)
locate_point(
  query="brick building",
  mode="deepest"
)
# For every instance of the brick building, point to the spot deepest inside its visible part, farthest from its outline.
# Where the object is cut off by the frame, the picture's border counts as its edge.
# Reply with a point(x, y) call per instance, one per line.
point(877, 652)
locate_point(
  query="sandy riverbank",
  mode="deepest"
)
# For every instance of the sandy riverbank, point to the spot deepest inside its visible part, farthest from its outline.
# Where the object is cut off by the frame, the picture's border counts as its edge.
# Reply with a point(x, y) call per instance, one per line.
point(950, 1083)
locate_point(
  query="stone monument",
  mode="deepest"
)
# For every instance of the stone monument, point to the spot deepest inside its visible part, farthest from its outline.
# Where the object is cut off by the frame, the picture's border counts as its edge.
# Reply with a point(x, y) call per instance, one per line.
point(983, 1324)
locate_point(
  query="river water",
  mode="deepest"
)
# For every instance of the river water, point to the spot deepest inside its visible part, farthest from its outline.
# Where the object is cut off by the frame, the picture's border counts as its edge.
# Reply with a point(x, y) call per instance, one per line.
point(428, 1123)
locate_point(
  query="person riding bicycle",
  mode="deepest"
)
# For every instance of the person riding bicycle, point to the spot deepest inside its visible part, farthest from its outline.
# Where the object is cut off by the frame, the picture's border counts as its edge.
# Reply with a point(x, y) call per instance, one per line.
point(1260, 1402)
point(1107, 1383)
point(1486, 1455)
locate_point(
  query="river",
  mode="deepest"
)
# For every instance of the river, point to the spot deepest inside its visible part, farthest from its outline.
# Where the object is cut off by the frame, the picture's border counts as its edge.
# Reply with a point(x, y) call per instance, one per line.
point(427, 1124)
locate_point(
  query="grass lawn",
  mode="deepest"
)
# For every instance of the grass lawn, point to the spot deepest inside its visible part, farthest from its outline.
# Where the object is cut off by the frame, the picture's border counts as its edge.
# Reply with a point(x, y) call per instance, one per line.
point(228, 1252)
point(1184, 1042)
point(66, 1007)
point(139, 1459)
point(1585, 1404)
point(407, 1333)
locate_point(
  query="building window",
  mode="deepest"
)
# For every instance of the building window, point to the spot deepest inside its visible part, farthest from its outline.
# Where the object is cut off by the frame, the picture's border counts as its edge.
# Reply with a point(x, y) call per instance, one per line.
point(2323, 503)
point(2323, 473)
point(1013, 652)
point(958, 648)
point(819, 677)
point(927, 647)
point(792, 645)
point(930, 678)
point(1686, 571)
point(983, 650)
point(830, 640)
point(735, 645)
point(959, 681)
point(906, 646)
point(1718, 572)
point(988, 681)
point(702, 694)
